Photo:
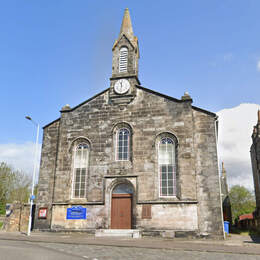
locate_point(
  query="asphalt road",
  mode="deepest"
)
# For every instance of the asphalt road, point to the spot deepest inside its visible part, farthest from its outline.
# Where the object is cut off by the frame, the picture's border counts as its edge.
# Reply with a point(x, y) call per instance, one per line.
point(19, 250)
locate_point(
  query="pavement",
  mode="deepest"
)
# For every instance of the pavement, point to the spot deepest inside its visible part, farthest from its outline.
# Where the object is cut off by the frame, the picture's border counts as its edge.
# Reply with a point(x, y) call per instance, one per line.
point(234, 244)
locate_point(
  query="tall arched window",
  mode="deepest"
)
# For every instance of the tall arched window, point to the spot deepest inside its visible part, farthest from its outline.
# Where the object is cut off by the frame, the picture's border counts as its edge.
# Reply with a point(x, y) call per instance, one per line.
point(123, 145)
point(123, 57)
point(81, 158)
point(167, 167)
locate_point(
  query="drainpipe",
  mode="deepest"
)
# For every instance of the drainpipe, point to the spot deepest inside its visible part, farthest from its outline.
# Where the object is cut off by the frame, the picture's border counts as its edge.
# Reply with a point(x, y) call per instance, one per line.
point(220, 198)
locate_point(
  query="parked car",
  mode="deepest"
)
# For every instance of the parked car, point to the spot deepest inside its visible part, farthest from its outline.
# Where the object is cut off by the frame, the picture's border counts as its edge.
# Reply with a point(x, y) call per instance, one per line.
point(8, 210)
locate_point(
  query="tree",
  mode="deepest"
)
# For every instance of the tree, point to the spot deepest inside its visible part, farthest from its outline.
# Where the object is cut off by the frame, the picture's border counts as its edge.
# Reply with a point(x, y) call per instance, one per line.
point(242, 201)
point(20, 190)
point(35, 192)
point(14, 186)
point(6, 179)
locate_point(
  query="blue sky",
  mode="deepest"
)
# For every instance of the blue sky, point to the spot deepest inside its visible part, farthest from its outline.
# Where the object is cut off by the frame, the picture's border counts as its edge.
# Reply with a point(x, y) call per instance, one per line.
point(59, 51)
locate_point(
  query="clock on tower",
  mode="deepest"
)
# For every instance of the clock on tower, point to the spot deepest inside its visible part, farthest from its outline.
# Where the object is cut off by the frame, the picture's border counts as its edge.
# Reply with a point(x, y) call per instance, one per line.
point(122, 86)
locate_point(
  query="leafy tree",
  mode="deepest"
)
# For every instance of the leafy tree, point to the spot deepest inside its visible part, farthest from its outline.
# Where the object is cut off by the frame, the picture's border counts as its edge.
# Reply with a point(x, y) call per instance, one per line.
point(2, 209)
point(20, 190)
point(14, 186)
point(35, 192)
point(6, 180)
point(242, 201)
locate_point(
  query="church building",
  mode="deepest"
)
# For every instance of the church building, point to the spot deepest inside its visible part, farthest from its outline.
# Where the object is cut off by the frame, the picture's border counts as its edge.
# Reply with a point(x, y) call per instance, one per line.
point(131, 158)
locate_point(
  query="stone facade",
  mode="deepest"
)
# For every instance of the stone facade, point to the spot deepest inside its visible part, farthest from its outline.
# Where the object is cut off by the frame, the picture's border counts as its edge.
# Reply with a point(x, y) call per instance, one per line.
point(149, 116)
point(255, 159)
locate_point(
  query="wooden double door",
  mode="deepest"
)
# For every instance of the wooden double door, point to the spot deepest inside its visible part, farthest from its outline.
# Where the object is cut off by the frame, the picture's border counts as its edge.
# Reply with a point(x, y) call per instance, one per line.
point(121, 211)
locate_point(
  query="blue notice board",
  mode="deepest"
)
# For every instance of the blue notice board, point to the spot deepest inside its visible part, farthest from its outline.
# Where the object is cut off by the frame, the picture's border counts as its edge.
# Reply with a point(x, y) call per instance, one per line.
point(76, 213)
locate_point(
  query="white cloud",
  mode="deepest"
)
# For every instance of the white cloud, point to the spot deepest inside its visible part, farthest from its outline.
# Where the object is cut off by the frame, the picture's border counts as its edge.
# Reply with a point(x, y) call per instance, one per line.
point(19, 156)
point(235, 130)
point(228, 57)
point(258, 65)
point(222, 59)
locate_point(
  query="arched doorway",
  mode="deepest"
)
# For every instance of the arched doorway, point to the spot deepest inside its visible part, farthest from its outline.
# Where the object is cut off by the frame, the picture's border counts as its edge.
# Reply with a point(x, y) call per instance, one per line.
point(121, 206)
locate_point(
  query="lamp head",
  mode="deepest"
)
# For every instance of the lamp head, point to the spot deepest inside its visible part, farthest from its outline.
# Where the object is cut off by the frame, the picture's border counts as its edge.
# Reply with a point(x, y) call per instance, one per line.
point(29, 118)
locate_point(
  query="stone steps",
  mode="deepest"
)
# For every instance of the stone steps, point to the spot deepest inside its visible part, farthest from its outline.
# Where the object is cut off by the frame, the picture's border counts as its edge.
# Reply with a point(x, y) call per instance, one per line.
point(133, 233)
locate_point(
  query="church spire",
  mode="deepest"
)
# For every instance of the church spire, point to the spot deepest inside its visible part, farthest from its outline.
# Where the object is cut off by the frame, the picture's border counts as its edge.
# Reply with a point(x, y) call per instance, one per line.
point(126, 26)
point(124, 64)
point(223, 170)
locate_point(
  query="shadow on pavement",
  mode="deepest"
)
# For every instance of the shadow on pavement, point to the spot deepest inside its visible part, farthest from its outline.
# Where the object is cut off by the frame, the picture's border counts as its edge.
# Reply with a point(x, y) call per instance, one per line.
point(250, 236)
point(254, 236)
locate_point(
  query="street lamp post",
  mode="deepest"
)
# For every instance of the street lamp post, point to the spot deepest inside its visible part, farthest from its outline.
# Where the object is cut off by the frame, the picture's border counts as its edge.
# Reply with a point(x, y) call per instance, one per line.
point(34, 173)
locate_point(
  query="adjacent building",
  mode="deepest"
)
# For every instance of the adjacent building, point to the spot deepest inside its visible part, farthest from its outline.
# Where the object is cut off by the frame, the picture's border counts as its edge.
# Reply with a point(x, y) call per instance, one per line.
point(226, 205)
point(255, 159)
point(130, 158)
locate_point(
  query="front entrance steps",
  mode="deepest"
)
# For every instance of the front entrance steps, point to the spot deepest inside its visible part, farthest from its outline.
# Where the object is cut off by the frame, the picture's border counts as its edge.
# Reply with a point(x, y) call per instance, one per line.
point(134, 233)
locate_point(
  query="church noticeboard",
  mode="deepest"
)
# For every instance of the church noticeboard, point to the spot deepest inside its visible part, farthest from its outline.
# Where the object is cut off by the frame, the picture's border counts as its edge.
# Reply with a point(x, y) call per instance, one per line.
point(76, 213)
point(42, 213)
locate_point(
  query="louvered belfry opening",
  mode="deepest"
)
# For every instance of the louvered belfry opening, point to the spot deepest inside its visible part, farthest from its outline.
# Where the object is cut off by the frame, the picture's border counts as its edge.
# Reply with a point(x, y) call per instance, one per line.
point(123, 59)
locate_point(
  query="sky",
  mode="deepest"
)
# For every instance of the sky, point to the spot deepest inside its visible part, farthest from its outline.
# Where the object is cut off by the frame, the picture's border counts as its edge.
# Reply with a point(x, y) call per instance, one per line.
point(59, 52)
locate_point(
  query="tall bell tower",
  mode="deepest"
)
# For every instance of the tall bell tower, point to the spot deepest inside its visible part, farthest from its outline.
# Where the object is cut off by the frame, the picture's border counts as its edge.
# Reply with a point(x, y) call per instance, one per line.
point(124, 64)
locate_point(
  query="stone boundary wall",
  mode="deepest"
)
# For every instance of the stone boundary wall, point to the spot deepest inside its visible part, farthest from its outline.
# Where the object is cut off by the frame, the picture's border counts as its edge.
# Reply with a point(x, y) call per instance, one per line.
point(2, 219)
point(18, 219)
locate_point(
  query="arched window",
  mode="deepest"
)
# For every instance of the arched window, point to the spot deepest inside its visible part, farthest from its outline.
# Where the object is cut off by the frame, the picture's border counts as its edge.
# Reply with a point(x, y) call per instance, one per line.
point(167, 167)
point(123, 57)
point(81, 158)
point(123, 145)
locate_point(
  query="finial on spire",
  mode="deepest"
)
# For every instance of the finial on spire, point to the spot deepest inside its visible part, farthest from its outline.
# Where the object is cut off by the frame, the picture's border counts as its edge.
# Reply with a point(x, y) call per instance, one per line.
point(126, 26)
point(186, 97)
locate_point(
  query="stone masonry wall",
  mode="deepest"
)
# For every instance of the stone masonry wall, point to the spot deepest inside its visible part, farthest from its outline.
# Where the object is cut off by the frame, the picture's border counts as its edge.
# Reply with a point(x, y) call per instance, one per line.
point(148, 115)
point(95, 218)
point(255, 160)
point(19, 218)
point(256, 174)
point(47, 174)
point(132, 59)
point(208, 182)
point(170, 217)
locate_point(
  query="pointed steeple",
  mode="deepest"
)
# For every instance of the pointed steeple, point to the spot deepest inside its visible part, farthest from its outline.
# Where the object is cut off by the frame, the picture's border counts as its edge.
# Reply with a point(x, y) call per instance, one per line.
point(126, 26)
point(127, 30)
point(125, 63)
point(224, 186)
point(224, 173)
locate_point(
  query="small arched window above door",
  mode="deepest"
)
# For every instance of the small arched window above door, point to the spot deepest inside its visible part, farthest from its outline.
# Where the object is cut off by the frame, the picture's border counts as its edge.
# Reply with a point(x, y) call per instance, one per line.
point(123, 188)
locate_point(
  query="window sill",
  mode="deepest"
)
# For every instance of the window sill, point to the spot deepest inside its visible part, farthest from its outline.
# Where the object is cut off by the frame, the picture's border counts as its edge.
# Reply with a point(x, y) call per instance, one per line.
point(169, 202)
point(122, 164)
point(170, 197)
point(77, 202)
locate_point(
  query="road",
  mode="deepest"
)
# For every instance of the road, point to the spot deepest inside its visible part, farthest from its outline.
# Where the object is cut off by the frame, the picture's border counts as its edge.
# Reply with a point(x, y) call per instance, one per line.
point(19, 250)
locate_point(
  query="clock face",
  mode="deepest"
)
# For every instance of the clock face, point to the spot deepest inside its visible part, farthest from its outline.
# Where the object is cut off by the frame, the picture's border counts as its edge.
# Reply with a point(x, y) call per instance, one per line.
point(122, 86)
